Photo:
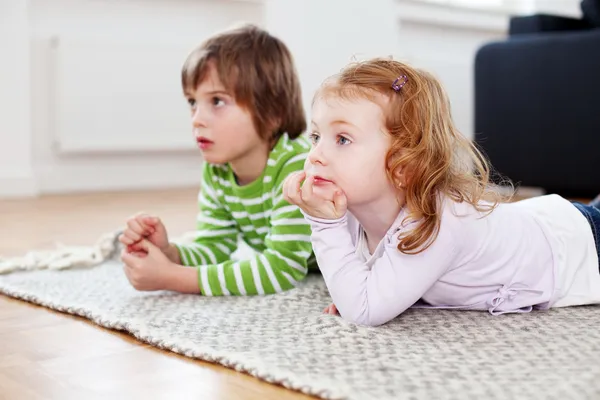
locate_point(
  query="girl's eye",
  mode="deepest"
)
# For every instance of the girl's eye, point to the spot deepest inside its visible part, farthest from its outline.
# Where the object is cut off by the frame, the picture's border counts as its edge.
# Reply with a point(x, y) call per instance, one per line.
point(217, 102)
point(191, 102)
point(314, 138)
point(343, 140)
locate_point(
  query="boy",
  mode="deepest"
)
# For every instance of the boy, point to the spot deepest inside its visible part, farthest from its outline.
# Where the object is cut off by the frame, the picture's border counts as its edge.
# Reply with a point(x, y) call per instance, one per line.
point(247, 119)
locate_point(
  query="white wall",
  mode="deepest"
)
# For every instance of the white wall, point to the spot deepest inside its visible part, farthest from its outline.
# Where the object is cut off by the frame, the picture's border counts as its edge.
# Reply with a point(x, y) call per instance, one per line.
point(326, 35)
point(16, 173)
point(444, 41)
point(570, 8)
point(109, 113)
point(90, 95)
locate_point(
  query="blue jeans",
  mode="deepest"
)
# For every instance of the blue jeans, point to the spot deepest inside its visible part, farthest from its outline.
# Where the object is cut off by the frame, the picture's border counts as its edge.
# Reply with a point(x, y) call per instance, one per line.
point(592, 213)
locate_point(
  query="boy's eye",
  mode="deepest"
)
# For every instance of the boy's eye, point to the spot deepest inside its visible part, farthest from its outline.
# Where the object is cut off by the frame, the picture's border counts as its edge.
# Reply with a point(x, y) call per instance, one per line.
point(343, 140)
point(314, 138)
point(191, 102)
point(217, 101)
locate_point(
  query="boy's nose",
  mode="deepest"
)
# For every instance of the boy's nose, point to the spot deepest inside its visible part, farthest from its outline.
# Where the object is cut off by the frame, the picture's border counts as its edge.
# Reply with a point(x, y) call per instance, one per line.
point(197, 120)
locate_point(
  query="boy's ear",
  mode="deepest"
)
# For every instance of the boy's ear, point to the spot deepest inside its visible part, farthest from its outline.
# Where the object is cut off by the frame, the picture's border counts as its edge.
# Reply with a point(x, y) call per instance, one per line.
point(274, 124)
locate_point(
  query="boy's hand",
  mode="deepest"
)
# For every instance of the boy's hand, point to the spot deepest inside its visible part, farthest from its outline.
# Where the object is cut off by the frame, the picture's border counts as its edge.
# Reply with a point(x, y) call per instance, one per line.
point(144, 226)
point(149, 269)
point(311, 203)
point(332, 310)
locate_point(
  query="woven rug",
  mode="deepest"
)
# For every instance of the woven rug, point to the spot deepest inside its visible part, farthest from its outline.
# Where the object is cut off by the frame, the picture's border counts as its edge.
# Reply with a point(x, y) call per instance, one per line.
point(284, 339)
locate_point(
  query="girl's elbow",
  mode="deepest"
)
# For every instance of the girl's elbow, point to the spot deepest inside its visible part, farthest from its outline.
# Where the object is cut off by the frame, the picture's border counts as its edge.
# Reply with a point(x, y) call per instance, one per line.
point(366, 319)
point(372, 318)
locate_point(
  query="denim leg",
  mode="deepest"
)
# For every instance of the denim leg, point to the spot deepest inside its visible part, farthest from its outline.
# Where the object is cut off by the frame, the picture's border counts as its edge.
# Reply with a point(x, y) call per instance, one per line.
point(596, 202)
point(592, 214)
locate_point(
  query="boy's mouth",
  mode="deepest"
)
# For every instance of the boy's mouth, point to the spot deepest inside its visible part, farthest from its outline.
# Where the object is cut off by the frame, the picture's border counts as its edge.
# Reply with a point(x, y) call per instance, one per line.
point(204, 143)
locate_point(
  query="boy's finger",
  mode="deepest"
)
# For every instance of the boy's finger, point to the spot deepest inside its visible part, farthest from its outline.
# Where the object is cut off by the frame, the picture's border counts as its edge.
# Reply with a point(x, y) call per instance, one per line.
point(128, 259)
point(125, 240)
point(140, 219)
point(136, 227)
point(150, 221)
point(147, 246)
point(134, 237)
point(134, 247)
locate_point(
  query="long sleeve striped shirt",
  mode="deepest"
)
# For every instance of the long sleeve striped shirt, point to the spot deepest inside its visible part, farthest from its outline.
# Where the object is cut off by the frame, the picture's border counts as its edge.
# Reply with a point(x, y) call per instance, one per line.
point(258, 214)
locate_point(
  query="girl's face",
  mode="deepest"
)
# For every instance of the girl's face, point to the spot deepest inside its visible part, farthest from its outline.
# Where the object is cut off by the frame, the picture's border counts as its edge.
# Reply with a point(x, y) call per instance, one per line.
point(350, 144)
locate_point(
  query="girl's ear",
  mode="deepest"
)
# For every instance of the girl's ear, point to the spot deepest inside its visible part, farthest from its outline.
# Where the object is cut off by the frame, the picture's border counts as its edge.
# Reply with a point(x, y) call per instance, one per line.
point(399, 178)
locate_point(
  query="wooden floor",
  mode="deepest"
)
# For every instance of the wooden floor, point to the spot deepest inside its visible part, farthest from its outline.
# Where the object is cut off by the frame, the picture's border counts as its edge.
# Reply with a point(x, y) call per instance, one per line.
point(48, 355)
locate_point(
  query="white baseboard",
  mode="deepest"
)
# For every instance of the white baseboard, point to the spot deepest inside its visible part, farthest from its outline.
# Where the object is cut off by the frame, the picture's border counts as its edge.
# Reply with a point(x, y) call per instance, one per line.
point(15, 187)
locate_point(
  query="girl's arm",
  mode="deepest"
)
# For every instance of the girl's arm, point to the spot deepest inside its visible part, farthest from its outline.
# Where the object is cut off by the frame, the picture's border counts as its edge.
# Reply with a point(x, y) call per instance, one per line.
point(376, 295)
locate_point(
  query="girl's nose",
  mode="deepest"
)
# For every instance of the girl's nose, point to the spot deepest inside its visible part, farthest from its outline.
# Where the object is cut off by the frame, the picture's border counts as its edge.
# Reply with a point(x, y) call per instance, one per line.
point(316, 155)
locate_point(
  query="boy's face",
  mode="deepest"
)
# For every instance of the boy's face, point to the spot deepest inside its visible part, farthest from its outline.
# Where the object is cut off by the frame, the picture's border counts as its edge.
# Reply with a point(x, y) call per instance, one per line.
point(224, 131)
point(349, 150)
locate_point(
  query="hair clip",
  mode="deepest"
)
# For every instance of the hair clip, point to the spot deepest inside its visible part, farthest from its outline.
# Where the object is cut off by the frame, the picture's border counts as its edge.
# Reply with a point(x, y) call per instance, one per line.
point(397, 86)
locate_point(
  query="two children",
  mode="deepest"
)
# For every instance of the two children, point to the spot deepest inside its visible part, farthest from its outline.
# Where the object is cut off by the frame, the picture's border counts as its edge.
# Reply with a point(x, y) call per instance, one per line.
point(398, 203)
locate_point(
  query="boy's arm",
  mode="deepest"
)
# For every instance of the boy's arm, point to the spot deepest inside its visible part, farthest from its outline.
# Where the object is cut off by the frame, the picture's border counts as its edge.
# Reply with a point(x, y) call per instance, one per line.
point(216, 232)
point(282, 264)
point(280, 267)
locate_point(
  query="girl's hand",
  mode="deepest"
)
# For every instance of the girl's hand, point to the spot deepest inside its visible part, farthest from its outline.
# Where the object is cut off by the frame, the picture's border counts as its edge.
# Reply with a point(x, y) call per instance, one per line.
point(149, 269)
point(332, 310)
point(311, 203)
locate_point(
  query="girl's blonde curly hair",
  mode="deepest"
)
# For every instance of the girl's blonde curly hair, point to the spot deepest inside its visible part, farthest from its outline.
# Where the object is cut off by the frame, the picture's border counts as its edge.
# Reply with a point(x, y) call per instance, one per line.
point(428, 156)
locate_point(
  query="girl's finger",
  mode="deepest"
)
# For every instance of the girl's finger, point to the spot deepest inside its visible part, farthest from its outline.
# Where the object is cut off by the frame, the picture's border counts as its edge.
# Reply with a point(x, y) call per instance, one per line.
point(293, 187)
point(340, 203)
point(307, 189)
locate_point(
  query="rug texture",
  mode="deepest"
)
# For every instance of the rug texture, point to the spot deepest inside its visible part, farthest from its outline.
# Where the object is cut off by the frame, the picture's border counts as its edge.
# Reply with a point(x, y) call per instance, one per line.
point(284, 339)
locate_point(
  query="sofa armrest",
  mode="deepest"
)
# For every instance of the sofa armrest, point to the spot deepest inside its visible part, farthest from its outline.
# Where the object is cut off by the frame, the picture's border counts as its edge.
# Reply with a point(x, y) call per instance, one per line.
point(545, 23)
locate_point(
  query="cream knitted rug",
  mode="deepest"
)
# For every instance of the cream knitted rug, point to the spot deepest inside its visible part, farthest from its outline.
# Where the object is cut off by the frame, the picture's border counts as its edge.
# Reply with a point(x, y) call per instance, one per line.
point(284, 339)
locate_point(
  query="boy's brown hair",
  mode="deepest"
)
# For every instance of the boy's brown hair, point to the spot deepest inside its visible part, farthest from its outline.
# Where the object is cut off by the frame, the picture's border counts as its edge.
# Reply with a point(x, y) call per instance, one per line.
point(258, 70)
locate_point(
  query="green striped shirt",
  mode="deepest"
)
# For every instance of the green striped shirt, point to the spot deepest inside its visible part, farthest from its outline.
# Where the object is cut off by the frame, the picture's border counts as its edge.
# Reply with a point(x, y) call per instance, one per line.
point(258, 214)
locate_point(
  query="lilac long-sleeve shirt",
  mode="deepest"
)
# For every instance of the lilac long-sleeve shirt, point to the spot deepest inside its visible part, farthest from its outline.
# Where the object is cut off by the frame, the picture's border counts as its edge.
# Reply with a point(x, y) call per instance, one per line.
point(537, 253)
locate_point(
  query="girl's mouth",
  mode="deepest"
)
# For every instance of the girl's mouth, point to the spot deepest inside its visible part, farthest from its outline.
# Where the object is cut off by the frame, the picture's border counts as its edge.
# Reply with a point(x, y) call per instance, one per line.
point(321, 181)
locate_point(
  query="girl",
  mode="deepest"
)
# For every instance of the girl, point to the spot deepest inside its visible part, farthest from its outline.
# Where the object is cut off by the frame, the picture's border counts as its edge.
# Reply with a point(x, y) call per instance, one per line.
point(402, 211)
